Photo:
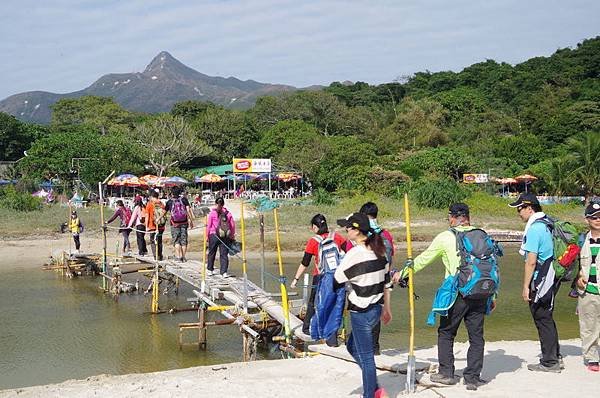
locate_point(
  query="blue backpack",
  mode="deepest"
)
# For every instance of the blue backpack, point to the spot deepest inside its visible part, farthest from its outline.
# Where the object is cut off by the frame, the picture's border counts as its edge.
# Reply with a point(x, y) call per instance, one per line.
point(478, 275)
point(329, 302)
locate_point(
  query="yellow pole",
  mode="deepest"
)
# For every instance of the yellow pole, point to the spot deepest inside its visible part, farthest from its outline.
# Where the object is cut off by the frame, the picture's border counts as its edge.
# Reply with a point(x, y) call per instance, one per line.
point(284, 296)
point(104, 261)
point(410, 376)
point(203, 284)
point(244, 264)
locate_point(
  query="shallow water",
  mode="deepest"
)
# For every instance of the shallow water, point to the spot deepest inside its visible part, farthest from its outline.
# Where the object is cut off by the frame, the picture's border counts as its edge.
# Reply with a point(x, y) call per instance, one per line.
point(54, 328)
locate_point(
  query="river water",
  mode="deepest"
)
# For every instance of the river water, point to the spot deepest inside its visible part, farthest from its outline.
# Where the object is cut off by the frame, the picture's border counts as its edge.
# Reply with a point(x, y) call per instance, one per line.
point(53, 328)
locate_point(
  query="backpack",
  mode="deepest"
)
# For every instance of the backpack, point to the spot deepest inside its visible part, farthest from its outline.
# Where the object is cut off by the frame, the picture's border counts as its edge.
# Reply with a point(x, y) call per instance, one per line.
point(565, 243)
point(328, 254)
point(223, 226)
point(388, 249)
point(178, 211)
point(478, 275)
point(160, 215)
point(126, 216)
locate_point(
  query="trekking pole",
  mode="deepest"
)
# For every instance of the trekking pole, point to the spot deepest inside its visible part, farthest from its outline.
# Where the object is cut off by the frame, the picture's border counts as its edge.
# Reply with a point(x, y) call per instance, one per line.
point(284, 296)
point(244, 259)
point(203, 284)
point(410, 369)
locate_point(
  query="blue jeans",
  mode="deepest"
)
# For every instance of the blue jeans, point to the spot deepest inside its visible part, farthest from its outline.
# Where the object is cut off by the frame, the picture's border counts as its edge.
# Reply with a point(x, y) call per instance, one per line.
point(360, 346)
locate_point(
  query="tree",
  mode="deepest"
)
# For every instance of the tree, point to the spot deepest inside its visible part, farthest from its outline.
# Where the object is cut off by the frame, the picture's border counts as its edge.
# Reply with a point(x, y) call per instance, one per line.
point(16, 137)
point(102, 113)
point(51, 156)
point(168, 141)
point(586, 154)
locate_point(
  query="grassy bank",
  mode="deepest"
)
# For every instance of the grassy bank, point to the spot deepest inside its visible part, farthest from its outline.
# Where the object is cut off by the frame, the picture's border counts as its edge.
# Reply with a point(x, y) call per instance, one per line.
point(294, 217)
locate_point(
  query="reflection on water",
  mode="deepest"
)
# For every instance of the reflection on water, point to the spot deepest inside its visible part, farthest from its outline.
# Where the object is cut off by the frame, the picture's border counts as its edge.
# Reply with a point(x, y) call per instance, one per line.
point(54, 329)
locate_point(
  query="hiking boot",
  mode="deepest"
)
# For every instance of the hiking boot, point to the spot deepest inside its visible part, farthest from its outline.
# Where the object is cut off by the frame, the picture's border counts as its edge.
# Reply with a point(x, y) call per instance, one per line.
point(593, 367)
point(381, 393)
point(443, 379)
point(538, 367)
point(474, 383)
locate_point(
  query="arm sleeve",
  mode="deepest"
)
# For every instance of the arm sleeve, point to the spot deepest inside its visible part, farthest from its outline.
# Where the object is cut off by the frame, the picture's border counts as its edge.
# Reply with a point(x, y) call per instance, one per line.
point(340, 272)
point(114, 216)
point(306, 259)
point(433, 252)
point(231, 224)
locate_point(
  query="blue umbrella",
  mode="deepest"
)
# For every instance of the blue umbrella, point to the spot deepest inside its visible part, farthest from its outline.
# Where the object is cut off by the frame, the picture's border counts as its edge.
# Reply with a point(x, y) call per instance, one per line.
point(176, 181)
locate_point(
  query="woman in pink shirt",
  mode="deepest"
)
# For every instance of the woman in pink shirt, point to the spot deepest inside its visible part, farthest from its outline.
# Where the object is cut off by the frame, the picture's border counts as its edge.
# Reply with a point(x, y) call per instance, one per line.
point(221, 233)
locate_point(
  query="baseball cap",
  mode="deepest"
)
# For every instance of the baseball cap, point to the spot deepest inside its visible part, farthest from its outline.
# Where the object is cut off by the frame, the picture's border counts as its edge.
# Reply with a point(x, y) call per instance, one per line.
point(356, 220)
point(525, 199)
point(458, 209)
point(592, 209)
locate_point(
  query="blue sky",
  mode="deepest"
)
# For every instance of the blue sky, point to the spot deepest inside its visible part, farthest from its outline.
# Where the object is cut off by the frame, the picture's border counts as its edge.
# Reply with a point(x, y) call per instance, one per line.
point(62, 46)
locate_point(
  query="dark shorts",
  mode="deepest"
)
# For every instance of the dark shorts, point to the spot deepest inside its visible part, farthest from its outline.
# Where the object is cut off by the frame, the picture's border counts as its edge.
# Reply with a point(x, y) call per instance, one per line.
point(179, 235)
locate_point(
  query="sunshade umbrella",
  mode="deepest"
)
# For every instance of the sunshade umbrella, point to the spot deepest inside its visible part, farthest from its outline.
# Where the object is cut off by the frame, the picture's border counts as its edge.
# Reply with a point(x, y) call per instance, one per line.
point(123, 177)
point(132, 182)
point(173, 181)
point(210, 178)
point(148, 179)
point(286, 177)
point(115, 182)
point(526, 178)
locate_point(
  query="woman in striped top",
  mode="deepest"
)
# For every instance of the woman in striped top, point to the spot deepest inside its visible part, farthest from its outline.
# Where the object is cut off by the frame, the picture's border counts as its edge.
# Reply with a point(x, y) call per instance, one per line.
point(365, 272)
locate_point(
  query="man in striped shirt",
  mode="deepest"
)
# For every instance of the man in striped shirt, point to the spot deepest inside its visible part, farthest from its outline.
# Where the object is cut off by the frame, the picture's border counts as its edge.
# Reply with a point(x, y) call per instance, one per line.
point(587, 287)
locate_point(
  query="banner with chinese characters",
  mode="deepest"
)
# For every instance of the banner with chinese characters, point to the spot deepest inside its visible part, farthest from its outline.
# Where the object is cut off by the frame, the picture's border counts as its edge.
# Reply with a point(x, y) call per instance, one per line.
point(475, 178)
point(251, 165)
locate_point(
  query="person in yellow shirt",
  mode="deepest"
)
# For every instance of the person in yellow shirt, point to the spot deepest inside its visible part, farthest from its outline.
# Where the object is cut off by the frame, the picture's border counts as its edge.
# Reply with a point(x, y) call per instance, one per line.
point(75, 227)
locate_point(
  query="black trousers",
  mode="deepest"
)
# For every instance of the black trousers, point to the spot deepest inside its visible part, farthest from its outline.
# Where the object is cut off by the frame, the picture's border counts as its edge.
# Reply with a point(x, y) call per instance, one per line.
point(473, 312)
point(77, 241)
point(141, 239)
point(215, 243)
point(547, 332)
point(157, 243)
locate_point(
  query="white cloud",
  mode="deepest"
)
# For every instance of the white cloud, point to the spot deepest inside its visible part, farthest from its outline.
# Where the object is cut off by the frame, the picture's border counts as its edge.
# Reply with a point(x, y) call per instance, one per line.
point(64, 46)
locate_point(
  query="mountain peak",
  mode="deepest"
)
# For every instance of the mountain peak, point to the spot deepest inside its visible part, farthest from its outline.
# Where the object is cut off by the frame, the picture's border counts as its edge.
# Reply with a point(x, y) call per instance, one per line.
point(162, 60)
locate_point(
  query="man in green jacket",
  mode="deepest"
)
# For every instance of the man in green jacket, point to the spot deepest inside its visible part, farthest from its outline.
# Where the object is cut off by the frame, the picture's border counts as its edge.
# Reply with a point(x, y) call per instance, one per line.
point(471, 310)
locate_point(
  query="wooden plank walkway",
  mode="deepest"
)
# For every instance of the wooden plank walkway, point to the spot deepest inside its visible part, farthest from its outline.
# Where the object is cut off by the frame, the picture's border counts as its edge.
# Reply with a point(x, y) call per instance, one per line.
point(191, 272)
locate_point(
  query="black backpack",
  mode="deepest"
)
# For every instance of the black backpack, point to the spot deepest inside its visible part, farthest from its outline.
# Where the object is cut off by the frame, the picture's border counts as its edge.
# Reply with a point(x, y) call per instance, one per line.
point(478, 275)
point(223, 226)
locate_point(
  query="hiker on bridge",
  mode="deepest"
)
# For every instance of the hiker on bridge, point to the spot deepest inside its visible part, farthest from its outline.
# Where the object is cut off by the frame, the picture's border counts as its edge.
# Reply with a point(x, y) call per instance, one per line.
point(182, 218)
point(124, 214)
point(221, 234)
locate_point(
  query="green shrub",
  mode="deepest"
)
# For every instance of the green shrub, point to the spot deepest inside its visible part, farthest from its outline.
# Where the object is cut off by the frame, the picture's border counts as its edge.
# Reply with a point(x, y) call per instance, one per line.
point(323, 198)
point(437, 193)
point(11, 199)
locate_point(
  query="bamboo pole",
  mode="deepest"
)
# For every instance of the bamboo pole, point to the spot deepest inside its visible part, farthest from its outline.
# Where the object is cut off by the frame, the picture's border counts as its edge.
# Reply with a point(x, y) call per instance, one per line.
point(261, 220)
point(410, 375)
point(284, 296)
point(244, 264)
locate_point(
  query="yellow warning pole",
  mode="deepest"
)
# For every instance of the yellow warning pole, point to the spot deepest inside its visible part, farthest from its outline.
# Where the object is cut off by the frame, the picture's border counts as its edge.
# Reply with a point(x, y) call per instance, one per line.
point(284, 296)
point(203, 284)
point(244, 263)
point(410, 374)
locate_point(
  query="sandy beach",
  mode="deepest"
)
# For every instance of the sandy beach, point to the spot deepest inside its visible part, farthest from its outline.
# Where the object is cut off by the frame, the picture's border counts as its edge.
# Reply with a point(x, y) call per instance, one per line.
point(324, 376)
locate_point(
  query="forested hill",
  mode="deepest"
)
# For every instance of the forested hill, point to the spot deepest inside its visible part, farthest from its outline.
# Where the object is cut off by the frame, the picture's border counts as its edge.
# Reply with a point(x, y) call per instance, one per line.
point(421, 134)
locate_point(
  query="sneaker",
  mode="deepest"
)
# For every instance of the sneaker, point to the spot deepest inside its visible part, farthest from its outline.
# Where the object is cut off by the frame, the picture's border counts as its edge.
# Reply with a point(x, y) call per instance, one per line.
point(473, 384)
point(443, 379)
point(538, 367)
point(210, 272)
point(573, 293)
point(561, 362)
point(593, 367)
point(225, 275)
point(381, 393)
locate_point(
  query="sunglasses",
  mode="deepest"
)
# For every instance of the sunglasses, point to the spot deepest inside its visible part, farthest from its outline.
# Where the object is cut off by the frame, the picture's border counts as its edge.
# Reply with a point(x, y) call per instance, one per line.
point(520, 208)
point(594, 218)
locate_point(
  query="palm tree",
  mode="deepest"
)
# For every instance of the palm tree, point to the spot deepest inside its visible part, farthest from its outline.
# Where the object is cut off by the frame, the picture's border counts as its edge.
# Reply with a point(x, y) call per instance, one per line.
point(585, 151)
